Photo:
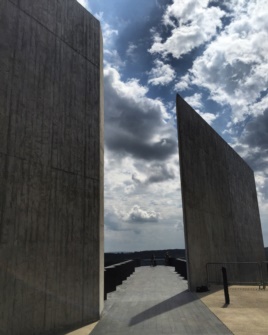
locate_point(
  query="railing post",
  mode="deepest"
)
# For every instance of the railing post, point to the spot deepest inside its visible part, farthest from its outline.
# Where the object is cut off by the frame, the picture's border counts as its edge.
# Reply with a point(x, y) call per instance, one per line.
point(225, 286)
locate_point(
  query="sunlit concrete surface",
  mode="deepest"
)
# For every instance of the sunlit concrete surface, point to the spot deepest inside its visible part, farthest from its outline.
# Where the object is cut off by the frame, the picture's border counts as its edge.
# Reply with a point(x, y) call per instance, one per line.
point(154, 301)
point(247, 312)
point(82, 331)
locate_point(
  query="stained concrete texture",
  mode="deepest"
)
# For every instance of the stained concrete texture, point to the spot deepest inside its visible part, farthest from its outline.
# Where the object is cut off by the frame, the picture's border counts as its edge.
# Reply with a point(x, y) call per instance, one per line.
point(220, 207)
point(51, 166)
point(154, 301)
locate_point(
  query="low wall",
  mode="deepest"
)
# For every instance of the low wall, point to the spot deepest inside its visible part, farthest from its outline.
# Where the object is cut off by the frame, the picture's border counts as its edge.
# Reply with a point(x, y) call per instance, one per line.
point(115, 274)
point(180, 266)
point(148, 261)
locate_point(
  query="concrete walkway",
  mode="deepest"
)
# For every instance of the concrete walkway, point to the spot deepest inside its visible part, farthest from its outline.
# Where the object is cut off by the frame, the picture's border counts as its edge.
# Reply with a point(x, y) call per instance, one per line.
point(155, 301)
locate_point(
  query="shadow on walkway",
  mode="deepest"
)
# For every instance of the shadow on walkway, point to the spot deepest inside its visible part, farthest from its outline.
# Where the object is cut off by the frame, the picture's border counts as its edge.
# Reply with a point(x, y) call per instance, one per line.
point(165, 306)
point(156, 302)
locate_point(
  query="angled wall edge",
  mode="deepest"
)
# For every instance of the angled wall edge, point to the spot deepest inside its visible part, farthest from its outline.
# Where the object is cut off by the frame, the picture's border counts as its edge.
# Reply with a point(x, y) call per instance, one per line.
point(220, 206)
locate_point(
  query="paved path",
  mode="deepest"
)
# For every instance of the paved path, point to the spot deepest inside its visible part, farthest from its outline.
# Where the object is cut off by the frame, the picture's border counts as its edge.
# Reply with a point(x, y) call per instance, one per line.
point(155, 301)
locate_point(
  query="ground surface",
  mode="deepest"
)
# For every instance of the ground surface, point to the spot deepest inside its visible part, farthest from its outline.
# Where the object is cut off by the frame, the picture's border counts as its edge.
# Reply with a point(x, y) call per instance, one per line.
point(155, 301)
point(247, 312)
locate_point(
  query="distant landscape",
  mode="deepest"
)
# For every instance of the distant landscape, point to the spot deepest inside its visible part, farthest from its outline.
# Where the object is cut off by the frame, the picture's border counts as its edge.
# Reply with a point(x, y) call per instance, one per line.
point(111, 258)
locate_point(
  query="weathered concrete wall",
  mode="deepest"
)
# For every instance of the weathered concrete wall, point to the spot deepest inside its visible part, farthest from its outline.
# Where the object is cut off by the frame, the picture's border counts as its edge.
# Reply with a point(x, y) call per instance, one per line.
point(220, 207)
point(51, 166)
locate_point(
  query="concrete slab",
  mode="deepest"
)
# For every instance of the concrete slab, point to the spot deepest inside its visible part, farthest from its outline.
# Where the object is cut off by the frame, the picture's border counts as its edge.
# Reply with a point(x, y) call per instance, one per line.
point(220, 206)
point(154, 301)
point(247, 312)
point(51, 167)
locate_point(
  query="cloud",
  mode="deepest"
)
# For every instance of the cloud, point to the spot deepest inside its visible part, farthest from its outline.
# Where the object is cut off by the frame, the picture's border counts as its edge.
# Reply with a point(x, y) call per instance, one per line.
point(195, 101)
point(160, 173)
point(112, 57)
point(133, 122)
point(183, 83)
point(262, 182)
point(193, 23)
point(117, 220)
point(209, 117)
point(85, 3)
point(256, 132)
point(114, 221)
point(161, 74)
point(253, 143)
point(108, 33)
point(131, 50)
point(136, 179)
point(179, 226)
point(151, 174)
point(139, 215)
point(234, 66)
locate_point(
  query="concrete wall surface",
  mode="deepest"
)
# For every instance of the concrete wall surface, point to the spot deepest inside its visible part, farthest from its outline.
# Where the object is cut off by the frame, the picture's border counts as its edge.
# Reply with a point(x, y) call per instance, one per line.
point(51, 166)
point(220, 207)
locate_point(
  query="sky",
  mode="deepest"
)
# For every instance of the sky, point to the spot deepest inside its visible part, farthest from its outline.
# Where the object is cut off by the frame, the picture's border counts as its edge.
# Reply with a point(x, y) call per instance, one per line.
point(215, 55)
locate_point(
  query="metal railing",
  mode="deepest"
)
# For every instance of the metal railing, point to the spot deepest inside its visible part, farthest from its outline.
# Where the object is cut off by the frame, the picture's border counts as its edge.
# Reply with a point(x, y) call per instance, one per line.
point(239, 273)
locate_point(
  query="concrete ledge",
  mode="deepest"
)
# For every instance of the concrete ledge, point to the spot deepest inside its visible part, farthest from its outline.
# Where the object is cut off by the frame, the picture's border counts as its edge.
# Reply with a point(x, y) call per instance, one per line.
point(115, 274)
point(180, 266)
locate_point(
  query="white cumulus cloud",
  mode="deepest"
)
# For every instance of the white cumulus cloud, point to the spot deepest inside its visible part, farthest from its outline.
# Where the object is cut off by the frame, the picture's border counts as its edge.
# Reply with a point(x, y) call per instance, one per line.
point(84, 3)
point(195, 101)
point(139, 215)
point(193, 23)
point(234, 67)
point(161, 74)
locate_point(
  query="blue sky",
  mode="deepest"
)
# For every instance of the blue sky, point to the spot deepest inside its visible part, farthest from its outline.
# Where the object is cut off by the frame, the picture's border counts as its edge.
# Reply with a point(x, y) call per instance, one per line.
point(215, 55)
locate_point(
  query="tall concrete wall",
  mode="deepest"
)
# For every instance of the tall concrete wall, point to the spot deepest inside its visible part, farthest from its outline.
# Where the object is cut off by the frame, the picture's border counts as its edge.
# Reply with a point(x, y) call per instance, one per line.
point(51, 166)
point(220, 207)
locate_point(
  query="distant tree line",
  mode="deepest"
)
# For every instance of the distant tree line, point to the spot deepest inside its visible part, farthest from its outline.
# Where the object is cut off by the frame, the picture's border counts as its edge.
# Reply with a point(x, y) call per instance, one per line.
point(111, 258)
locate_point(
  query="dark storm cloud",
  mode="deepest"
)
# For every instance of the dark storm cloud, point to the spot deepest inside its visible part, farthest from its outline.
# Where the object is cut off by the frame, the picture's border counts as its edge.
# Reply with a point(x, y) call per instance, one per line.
point(156, 173)
point(136, 146)
point(135, 126)
point(115, 223)
point(256, 137)
point(258, 161)
point(112, 222)
point(160, 173)
point(256, 134)
point(136, 179)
